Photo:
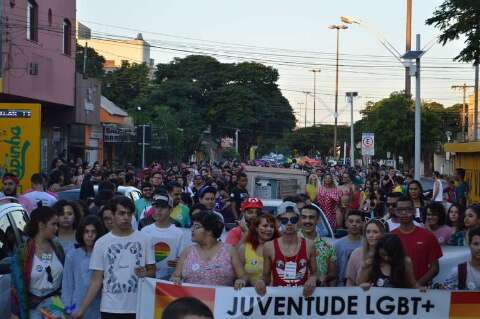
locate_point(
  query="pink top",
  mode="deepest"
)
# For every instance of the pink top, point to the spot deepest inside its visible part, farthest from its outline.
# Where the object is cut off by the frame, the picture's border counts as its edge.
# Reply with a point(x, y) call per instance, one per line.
point(443, 234)
point(217, 272)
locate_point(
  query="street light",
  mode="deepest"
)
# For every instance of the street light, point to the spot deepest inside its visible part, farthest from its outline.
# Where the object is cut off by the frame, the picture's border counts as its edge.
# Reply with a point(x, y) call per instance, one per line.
point(337, 27)
point(315, 71)
point(380, 37)
point(350, 96)
point(408, 59)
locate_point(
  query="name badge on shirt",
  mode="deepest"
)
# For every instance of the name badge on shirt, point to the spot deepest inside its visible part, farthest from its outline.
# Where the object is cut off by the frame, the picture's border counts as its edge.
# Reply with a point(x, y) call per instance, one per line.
point(46, 259)
point(290, 270)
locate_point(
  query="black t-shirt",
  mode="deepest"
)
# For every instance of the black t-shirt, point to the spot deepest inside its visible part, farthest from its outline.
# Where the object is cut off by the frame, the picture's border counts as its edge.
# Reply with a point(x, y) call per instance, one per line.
point(237, 196)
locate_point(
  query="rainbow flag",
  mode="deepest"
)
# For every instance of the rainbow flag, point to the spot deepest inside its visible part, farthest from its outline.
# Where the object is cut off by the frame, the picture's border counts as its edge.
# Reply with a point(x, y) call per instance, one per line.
point(162, 251)
point(165, 294)
point(465, 305)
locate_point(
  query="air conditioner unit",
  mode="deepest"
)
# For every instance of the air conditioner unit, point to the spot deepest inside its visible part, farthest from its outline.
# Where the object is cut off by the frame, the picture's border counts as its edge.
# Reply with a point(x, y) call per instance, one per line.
point(33, 68)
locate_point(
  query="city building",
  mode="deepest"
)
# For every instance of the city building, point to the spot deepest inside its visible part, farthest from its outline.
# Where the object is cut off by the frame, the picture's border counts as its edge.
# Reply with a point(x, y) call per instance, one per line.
point(118, 133)
point(37, 65)
point(116, 50)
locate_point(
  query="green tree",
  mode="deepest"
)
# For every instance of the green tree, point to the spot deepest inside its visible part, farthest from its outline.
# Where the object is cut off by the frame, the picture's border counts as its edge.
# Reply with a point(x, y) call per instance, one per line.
point(94, 62)
point(219, 97)
point(129, 86)
point(460, 19)
point(317, 140)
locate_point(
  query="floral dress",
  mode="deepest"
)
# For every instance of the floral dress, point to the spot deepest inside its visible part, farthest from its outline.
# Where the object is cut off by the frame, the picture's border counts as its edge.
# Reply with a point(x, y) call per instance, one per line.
point(328, 199)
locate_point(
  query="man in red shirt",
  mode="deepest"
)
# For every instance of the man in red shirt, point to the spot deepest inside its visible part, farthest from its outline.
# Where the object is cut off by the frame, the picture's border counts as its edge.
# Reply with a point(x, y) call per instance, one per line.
point(420, 245)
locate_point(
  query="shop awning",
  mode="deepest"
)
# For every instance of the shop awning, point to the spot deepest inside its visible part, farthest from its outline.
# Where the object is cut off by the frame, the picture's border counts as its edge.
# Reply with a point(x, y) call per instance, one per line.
point(470, 147)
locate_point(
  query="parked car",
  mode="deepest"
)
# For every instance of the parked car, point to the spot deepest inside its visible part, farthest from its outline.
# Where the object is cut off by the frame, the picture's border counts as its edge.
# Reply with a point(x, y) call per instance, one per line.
point(323, 227)
point(74, 194)
point(13, 219)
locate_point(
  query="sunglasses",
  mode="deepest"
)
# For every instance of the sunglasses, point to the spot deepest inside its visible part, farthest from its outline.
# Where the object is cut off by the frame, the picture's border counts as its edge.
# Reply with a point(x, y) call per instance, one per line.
point(292, 220)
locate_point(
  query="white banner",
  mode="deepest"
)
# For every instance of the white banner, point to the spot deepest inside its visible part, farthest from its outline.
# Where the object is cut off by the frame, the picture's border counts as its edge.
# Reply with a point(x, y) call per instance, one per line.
point(225, 302)
point(368, 144)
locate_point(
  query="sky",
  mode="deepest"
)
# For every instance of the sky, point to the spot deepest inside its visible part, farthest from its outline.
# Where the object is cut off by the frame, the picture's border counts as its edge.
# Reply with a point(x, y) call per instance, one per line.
point(293, 36)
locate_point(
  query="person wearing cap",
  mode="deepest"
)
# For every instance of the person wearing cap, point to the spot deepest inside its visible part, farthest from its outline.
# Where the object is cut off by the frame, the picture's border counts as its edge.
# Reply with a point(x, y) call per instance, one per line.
point(288, 261)
point(166, 237)
point(250, 208)
point(10, 185)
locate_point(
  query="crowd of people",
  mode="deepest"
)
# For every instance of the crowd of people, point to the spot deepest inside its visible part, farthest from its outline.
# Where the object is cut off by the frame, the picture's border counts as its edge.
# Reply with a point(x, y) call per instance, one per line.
point(198, 224)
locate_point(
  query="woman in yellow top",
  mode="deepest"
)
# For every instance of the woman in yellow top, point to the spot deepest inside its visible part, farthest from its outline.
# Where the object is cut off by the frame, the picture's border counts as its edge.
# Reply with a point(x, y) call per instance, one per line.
point(311, 188)
point(261, 230)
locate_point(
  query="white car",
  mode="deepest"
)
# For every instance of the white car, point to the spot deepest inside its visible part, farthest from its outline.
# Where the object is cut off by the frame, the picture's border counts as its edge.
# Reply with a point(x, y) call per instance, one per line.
point(13, 219)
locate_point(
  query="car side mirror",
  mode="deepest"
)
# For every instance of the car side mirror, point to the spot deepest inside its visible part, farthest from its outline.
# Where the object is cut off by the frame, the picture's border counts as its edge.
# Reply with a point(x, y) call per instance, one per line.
point(339, 233)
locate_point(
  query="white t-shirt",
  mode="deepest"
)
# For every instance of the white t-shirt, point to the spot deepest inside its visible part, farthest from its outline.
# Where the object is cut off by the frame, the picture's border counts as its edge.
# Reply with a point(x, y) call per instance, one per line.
point(39, 284)
point(439, 197)
point(118, 257)
point(166, 244)
point(47, 199)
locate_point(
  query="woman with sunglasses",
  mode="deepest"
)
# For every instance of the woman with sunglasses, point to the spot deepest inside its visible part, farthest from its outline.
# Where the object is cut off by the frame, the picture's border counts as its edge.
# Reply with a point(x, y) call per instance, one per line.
point(209, 262)
point(37, 266)
point(261, 230)
point(374, 230)
point(77, 275)
point(290, 259)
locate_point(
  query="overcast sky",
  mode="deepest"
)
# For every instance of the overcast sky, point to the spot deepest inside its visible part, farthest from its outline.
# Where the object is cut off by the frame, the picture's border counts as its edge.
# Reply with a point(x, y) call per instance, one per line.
point(275, 31)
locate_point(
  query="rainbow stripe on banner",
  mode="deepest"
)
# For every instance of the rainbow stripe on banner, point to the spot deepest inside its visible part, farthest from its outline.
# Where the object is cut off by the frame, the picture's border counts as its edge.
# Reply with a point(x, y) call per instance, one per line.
point(465, 305)
point(162, 251)
point(166, 293)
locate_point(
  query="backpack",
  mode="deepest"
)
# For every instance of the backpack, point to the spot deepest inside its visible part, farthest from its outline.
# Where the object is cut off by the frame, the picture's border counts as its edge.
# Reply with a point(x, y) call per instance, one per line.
point(462, 276)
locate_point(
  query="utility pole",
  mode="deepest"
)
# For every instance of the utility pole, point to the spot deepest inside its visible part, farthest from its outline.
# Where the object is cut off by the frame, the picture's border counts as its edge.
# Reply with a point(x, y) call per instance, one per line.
point(408, 47)
point(236, 139)
point(418, 113)
point(315, 71)
point(350, 96)
point(306, 103)
point(464, 88)
point(475, 101)
point(143, 146)
point(85, 49)
point(338, 28)
point(300, 104)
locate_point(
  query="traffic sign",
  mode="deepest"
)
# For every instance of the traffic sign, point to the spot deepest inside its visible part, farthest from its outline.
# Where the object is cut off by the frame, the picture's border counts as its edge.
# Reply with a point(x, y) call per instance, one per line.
point(368, 144)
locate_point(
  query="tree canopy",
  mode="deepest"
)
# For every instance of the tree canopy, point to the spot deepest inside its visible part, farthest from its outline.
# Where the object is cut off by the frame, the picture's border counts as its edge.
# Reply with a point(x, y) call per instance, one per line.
point(202, 96)
point(456, 18)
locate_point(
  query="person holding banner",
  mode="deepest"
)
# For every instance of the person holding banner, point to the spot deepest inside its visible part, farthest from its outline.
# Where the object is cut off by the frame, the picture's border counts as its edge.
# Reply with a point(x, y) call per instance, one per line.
point(261, 230)
point(289, 261)
point(119, 259)
point(389, 267)
point(466, 276)
point(419, 244)
point(374, 229)
point(325, 255)
point(209, 262)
